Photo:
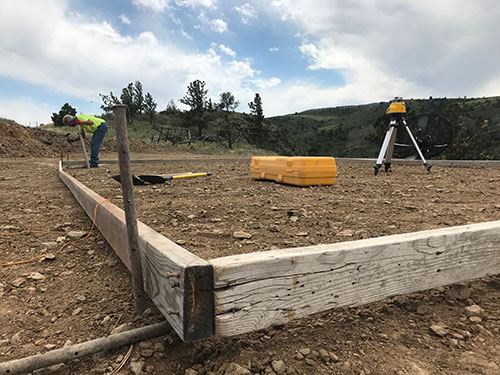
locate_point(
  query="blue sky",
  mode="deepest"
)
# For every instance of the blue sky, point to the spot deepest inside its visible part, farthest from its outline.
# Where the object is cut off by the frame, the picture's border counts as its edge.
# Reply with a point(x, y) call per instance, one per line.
point(296, 54)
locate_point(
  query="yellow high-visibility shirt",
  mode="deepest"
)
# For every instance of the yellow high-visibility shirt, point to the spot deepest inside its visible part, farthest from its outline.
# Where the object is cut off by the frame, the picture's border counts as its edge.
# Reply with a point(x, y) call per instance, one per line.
point(90, 128)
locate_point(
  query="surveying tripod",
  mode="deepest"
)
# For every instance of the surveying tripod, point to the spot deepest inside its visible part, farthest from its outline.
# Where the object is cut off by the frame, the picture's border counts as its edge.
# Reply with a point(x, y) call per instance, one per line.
point(396, 111)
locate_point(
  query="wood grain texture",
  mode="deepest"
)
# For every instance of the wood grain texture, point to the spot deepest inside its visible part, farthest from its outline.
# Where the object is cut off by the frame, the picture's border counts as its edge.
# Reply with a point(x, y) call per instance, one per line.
point(441, 163)
point(179, 283)
point(255, 291)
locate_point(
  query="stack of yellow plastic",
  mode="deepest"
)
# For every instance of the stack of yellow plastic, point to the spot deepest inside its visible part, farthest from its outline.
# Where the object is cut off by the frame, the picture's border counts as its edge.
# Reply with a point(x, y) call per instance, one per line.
point(297, 170)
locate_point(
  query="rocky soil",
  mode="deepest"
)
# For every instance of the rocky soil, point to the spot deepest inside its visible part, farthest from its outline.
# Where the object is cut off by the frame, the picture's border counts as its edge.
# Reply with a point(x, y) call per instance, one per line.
point(230, 213)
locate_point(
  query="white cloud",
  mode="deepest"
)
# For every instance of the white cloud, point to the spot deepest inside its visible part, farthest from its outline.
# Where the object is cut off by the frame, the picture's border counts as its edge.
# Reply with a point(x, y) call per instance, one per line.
point(155, 5)
point(195, 3)
point(266, 83)
point(409, 49)
point(247, 12)
point(26, 112)
point(414, 47)
point(124, 19)
point(228, 51)
point(53, 51)
point(218, 25)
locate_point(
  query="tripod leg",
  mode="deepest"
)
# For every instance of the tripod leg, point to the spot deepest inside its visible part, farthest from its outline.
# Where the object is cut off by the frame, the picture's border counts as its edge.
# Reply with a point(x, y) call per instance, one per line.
point(385, 144)
point(390, 150)
point(428, 167)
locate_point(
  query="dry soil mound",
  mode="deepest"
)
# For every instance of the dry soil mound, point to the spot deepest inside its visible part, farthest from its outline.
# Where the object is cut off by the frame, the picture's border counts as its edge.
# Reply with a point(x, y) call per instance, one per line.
point(17, 141)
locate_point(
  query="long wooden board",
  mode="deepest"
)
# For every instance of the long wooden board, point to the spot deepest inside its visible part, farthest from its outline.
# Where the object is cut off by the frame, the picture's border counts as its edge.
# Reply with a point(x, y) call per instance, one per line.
point(178, 282)
point(257, 290)
point(440, 163)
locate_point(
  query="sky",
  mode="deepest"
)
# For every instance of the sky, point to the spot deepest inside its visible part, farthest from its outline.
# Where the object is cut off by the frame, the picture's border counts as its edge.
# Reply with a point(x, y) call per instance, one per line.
point(297, 54)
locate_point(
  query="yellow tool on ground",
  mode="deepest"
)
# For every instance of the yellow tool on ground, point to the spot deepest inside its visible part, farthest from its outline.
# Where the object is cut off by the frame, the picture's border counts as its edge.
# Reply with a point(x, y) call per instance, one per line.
point(160, 179)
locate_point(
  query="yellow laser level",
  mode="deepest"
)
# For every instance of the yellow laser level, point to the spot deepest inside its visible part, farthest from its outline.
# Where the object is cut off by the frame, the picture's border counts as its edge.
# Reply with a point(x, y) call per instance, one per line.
point(396, 112)
point(396, 106)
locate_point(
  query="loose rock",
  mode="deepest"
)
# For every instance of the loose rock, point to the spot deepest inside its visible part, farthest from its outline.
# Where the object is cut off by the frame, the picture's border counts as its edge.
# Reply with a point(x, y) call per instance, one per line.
point(305, 351)
point(278, 367)
point(136, 367)
point(310, 362)
point(474, 310)
point(236, 369)
point(121, 328)
point(242, 235)
point(75, 234)
point(18, 282)
point(325, 356)
point(439, 330)
point(49, 256)
point(36, 276)
point(16, 339)
point(460, 292)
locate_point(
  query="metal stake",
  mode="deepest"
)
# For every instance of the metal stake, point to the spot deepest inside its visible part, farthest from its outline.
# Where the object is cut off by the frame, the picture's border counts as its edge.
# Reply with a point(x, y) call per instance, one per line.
point(129, 204)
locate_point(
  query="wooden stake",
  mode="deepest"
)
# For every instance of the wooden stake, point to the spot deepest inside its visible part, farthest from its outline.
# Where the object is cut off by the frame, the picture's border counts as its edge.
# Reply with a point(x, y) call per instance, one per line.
point(83, 146)
point(129, 205)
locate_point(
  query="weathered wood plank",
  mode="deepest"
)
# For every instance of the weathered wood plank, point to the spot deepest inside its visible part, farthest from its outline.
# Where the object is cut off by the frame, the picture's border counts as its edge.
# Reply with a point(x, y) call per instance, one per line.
point(441, 163)
point(68, 163)
point(255, 291)
point(178, 282)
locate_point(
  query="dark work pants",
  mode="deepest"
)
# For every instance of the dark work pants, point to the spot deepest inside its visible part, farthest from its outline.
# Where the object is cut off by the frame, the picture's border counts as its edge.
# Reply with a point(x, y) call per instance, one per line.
point(96, 142)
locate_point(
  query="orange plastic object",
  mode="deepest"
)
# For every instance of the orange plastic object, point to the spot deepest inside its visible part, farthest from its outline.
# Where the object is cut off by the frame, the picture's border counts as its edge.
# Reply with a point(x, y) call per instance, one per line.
point(296, 170)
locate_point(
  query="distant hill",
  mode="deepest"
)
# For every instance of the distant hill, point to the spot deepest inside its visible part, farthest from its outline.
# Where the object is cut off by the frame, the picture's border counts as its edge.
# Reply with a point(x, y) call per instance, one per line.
point(358, 131)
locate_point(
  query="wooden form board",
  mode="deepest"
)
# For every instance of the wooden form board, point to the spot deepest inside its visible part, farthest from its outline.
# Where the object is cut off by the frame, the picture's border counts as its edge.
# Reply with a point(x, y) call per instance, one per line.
point(243, 293)
point(257, 290)
point(179, 283)
point(71, 163)
point(441, 163)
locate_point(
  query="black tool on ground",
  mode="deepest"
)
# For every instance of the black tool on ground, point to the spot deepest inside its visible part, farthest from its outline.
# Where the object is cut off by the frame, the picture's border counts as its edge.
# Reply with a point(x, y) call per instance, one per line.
point(433, 135)
point(135, 180)
point(160, 179)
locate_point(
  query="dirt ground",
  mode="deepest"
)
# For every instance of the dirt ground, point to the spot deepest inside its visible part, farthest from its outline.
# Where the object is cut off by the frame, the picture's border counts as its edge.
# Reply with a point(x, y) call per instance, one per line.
point(83, 291)
point(202, 214)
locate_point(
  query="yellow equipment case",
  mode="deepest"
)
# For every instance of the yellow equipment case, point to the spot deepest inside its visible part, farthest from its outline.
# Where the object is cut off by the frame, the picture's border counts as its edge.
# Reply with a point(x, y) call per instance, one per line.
point(297, 170)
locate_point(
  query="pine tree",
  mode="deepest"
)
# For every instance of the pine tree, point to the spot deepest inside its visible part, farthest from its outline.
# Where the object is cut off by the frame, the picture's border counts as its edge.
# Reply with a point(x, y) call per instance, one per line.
point(108, 101)
point(228, 102)
point(138, 98)
point(257, 131)
point(150, 107)
point(196, 99)
point(66, 109)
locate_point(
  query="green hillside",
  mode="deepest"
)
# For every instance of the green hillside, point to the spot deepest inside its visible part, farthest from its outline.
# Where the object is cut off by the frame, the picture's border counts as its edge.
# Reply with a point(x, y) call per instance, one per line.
point(346, 131)
point(358, 131)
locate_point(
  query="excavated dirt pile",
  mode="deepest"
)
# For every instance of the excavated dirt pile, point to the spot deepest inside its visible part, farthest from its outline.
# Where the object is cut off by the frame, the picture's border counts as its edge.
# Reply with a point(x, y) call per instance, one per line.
point(17, 141)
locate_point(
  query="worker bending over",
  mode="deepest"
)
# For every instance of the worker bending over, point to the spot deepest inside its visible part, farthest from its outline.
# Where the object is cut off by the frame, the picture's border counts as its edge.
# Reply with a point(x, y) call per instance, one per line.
point(95, 125)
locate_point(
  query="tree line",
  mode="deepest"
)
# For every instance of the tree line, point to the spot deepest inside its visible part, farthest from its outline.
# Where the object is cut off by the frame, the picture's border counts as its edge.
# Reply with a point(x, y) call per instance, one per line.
point(202, 113)
point(133, 97)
